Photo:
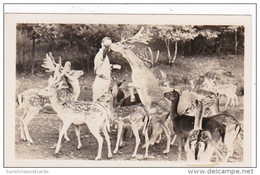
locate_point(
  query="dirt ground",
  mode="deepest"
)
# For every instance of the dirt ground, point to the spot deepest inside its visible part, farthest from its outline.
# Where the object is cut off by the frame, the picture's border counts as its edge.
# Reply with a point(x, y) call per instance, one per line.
point(44, 127)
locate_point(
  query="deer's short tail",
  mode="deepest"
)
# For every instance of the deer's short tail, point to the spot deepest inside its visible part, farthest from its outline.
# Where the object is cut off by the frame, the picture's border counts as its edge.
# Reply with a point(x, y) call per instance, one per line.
point(238, 129)
point(146, 119)
point(19, 100)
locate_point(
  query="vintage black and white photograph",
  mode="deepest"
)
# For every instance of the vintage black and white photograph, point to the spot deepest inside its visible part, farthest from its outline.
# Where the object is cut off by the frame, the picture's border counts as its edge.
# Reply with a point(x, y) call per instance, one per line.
point(125, 92)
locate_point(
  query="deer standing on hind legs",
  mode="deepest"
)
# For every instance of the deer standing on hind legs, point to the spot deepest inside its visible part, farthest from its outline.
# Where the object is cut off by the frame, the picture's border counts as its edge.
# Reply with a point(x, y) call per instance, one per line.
point(146, 85)
point(31, 102)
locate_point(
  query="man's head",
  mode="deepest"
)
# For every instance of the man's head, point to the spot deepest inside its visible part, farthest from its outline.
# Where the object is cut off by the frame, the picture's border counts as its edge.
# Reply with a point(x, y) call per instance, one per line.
point(106, 42)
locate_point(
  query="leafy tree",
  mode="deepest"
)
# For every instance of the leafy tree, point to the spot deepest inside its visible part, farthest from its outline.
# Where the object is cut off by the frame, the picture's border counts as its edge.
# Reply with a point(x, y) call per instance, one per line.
point(175, 34)
point(233, 29)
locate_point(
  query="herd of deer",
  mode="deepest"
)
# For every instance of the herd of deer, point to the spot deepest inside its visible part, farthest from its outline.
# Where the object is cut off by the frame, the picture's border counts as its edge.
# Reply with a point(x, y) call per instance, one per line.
point(198, 125)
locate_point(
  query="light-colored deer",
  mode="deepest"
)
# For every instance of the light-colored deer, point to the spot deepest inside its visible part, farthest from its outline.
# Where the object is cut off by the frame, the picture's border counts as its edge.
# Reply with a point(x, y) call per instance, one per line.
point(146, 84)
point(228, 90)
point(135, 117)
point(31, 102)
point(93, 114)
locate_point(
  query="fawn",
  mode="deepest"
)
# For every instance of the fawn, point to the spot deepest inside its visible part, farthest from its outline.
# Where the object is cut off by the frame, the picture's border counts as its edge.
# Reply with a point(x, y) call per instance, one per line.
point(135, 117)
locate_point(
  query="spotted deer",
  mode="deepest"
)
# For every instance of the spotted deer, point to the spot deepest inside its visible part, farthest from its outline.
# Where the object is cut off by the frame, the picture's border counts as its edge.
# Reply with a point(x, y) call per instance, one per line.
point(183, 124)
point(233, 126)
point(93, 114)
point(32, 102)
point(146, 84)
point(201, 144)
point(134, 117)
point(228, 90)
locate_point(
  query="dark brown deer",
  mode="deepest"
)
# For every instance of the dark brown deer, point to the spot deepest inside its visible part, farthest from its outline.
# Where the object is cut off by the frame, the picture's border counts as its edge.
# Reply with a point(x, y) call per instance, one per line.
point(183, 124)
point(201, 144)
point(233, 126)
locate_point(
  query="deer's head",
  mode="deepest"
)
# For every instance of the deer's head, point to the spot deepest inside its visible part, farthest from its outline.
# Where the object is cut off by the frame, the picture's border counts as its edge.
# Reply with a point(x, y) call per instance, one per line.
point(142, 36)
point(198, 142)
point(172, 95)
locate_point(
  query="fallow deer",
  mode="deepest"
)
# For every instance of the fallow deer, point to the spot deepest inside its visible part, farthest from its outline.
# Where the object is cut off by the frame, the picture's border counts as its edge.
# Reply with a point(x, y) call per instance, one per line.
point(183, 124)
point(31, 102)
point(146, 84)
point(93, 114)
point(201, 144)
point(233, 126)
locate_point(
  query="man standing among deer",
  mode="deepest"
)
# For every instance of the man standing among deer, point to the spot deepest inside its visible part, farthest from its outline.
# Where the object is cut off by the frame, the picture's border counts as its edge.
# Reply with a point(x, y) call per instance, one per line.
point(102, 69)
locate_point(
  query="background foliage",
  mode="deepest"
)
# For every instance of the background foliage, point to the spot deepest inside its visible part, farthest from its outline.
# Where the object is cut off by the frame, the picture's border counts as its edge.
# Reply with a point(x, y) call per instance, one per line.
point(80, 42)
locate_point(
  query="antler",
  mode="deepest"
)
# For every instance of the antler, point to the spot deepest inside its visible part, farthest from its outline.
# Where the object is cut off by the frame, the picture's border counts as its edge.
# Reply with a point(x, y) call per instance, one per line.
point(49, 63)
point(139, 37)
point(51, 66)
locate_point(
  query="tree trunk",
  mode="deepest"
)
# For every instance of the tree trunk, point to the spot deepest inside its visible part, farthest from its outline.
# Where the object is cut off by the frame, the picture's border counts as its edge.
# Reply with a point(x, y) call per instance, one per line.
point(236, 42)
point(175, 52)
point(167, 43)
point(33, 55)
point(189, 46)
point(88, 66)
point(218, 45)
point(23, 58)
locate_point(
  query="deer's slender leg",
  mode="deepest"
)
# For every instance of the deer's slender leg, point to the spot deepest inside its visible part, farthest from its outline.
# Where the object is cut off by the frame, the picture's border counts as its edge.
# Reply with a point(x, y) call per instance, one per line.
point(137, 140)
point(22, 126)
point(119, 136)
point(62, 131)
point(95, 131)
point(109, 154)
point(30, 115)
point(146, 143)
point(77, 129)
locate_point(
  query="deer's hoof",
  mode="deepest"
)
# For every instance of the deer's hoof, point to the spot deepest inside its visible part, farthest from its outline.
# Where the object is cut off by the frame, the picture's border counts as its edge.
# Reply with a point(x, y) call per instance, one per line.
point(109, 156)
point(115, 151)
point(98, 158)
point(67, 139)
point(166, 151)
point(56, 151)
point(30, 140)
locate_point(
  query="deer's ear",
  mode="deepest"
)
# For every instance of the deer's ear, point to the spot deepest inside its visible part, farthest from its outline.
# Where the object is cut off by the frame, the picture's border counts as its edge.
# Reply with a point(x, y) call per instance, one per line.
point(181, 90)
point(196, 102)
point(110, 90)
point(59, 85)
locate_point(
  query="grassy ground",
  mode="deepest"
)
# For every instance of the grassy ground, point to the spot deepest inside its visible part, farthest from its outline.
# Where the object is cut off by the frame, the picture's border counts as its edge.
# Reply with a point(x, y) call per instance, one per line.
point(44, 127)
